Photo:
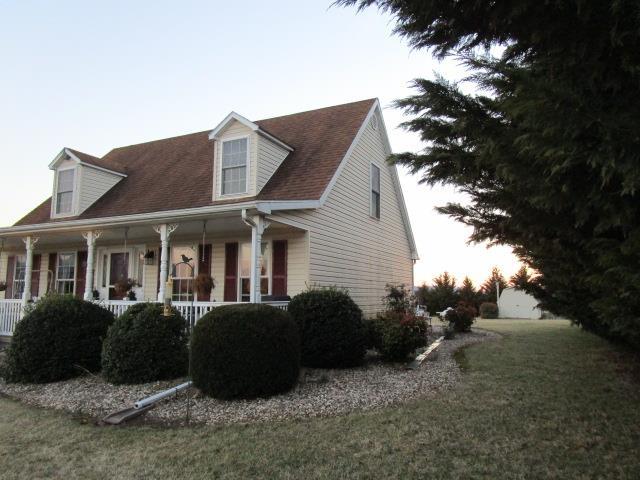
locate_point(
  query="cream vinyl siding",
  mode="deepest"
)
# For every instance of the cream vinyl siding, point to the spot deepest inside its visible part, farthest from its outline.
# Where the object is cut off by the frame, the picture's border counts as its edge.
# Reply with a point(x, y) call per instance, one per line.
point(348, 247)
point(150, 277)
point(93, 184)
point(297, 260)
point(235, 130)
point(270, 156)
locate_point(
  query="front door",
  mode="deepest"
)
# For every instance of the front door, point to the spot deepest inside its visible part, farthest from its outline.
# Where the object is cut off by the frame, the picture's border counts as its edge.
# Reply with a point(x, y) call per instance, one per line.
point(118, 270)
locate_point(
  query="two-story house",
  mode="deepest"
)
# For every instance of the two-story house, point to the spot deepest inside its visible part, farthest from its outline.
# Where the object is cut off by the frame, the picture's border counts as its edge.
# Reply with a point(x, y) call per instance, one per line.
point(268, 208)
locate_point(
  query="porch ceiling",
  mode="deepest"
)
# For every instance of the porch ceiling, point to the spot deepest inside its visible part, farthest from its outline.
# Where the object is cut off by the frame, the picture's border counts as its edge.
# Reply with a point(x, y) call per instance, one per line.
point(229, 224)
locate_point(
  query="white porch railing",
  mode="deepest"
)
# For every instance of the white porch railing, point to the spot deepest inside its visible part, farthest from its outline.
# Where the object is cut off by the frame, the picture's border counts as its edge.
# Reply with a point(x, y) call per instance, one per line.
point(11, 310)
point(186, 309)
point(10, 313)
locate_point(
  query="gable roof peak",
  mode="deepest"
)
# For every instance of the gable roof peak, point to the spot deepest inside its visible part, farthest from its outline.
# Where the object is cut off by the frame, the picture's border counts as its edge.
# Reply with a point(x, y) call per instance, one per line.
point(234, 116)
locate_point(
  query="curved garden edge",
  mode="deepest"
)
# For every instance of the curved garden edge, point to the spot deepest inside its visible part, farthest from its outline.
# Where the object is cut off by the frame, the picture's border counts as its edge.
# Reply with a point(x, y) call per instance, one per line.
point(320, 392)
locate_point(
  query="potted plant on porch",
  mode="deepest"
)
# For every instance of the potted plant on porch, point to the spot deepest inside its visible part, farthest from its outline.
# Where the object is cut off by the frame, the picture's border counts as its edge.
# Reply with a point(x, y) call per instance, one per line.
point(123, 288)
point(204, 285)
point(3, 286)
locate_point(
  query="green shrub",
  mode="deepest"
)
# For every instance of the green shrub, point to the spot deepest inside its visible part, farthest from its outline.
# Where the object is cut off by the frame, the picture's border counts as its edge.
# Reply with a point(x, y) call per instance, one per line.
point(245, 351)
point(369, 325)
point(489, 310)
point(461, 318)
point(331, 328)
point(142, 345)
point(397, 335)
point(60, 337)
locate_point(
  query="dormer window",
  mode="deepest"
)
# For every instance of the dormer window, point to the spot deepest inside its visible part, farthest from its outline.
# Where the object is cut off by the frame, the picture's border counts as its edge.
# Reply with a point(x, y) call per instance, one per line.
point(235, 159)
point(64, 191)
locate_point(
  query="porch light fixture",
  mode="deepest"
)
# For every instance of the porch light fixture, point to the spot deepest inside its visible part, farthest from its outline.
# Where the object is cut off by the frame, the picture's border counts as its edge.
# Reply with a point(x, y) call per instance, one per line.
point(150, 257)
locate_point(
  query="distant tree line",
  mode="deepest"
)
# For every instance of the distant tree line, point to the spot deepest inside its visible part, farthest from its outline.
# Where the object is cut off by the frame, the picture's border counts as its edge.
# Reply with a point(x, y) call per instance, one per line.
point(445, 292)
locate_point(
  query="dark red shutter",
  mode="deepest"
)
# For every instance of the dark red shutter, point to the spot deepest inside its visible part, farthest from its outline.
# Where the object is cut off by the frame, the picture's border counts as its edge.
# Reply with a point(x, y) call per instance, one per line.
point(35, 275)
point(11, 264)
point(279, 270)
point(81, 274)
point(51, 274)
point(231, 272)
point(204, 261)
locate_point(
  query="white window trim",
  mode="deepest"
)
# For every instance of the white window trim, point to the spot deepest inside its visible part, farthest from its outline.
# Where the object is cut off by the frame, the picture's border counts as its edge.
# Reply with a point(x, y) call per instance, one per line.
point(75, 270)
point(74, 196)
point(371, 167)
point(269, 268)
point(219, 150)
point(196, 267)
point(132, 266)
point(15, 268)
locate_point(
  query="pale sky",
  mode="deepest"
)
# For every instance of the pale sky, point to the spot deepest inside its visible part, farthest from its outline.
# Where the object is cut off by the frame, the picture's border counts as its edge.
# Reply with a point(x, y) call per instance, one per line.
point(98, 75)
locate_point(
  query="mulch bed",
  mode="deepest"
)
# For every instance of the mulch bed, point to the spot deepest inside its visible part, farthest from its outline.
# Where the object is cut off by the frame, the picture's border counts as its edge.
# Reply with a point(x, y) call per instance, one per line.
point(319, 393)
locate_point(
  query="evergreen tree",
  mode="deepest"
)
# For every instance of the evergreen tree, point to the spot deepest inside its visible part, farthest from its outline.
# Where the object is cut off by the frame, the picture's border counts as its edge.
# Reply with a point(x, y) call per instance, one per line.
point(442, 294)
point(547, 149)
point(522, 279)
point(488, 288)
point(468, 293)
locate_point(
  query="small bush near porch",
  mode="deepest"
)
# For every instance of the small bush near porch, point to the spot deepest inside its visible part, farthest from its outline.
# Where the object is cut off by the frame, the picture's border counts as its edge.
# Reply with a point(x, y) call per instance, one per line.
point(143, 345)
point(245, 351)
point(332, 330)
point(59, 338)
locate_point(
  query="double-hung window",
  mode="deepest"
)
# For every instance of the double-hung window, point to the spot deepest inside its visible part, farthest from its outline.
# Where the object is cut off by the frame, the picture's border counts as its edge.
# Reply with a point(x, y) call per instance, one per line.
point(64, 191)
point(66, 273)
point(374, 210)
point(18, 276)
point(235, 158)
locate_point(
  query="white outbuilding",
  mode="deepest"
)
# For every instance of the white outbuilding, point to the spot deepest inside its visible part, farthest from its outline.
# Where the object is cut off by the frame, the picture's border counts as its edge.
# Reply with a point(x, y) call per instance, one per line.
point(518, 304)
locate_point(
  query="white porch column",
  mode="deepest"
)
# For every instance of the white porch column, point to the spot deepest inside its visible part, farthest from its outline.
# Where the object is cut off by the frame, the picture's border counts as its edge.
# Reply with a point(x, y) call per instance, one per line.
point(258, 225)
point(91, 236)
point(165, 232)
point(29, 243)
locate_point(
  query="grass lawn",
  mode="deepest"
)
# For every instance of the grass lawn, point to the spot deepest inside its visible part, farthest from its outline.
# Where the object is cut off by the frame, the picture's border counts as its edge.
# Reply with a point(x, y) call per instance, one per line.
point(547, 401)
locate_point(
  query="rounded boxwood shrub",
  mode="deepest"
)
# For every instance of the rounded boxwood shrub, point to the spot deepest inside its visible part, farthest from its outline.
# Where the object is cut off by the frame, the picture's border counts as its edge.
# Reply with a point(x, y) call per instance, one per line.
point(245, 351)
point(489, 310)
point(332, 330)
point(60, 337)
point(397, 335)
point(143, 345)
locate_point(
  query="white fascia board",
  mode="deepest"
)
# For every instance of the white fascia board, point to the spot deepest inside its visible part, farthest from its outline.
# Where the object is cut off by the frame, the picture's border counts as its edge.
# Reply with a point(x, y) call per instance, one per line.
point(57, 159)
point(139, 218)
point(270, 206)
point(344, 160)
point(215, 133)
point(385, 138)
point(232, 116)
point(398, 188)
point(275, 140)
point(112, 172)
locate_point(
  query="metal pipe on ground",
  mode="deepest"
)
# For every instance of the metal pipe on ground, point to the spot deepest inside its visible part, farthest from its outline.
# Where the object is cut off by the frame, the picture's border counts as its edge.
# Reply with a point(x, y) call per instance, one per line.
point(159, 396)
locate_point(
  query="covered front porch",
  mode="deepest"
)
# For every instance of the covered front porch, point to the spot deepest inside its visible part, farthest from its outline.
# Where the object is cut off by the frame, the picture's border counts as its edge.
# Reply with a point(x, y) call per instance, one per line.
point(249, 257)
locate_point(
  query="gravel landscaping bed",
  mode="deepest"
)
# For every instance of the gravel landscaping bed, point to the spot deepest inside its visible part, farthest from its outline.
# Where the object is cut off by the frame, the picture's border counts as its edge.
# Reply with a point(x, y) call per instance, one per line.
point(319, 393)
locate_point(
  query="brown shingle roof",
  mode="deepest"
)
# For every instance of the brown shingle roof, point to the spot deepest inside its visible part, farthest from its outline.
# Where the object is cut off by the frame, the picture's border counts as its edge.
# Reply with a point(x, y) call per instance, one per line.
point(98, 162)
point(176, 173)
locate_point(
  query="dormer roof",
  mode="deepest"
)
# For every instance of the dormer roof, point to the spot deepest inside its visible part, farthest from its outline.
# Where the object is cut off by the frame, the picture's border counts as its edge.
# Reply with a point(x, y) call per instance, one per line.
point(233, 116)
point(85, 159)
